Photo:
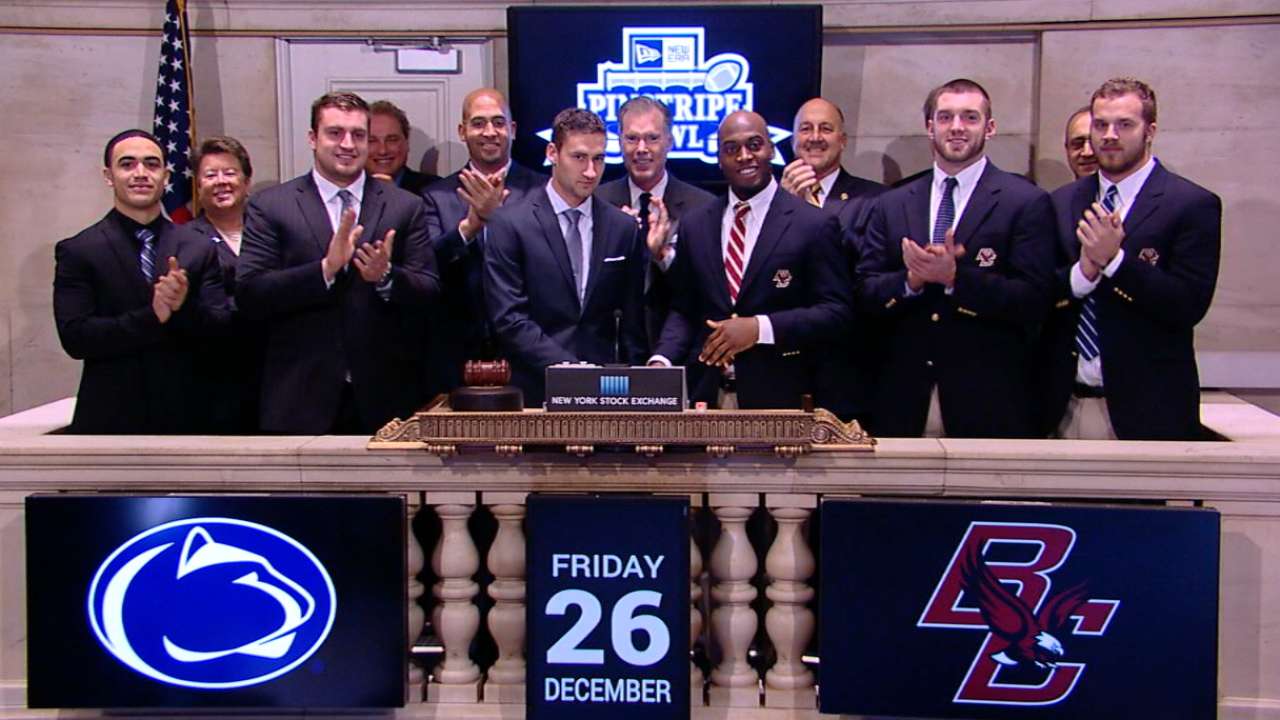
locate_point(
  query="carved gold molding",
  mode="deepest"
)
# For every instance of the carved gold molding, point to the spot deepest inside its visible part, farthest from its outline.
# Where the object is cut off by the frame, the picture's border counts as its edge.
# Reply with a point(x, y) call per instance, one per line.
point(787, 433)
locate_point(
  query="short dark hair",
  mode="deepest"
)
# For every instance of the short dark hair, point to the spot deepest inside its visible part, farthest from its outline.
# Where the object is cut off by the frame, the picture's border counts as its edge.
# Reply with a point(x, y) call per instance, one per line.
point(1066, 132)
point(574, 120)
point(121, 137)
point(1115, 87)
point(386, 107)
point(347, 101)
point(644, 103)
point(959, 85)
point(225, 145)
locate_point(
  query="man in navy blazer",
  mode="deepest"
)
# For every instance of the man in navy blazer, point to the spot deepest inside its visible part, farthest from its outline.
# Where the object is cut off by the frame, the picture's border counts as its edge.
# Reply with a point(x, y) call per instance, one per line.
point(644, 128)
point(339, 268)
point(564, 272)
point(458, 207)
point(1137, 272)
point(958, 264)
point(134, 296)
point(760, 288)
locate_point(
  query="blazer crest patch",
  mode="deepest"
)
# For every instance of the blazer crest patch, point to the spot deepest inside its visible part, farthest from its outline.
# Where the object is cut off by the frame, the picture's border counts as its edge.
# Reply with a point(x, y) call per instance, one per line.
point(1149, 255)
point(782, 279)
point(986, 257)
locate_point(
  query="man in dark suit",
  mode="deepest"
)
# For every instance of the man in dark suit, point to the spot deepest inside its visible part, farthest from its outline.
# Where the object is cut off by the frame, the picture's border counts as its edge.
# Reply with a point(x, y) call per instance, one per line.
point(134, 296)
point(1080, 156)
point(389, 148)
point(958, 264)
point(1139, 252)
point(458, 207)
point(564, 271)
point(760, 287)
point(644, 127)
point(817, 177)
point(340, 270)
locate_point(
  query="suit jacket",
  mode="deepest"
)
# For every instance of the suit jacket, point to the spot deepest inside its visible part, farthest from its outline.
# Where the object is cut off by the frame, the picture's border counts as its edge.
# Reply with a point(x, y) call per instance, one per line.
point(233, 364)
point(415, 182)
point(847, 371)
point(318, 336)
point(973, 343)
point(140, 376)
point(680, 197)
point(460, 328)
point(795, 276)
point(1146, 312)
point(533, 303)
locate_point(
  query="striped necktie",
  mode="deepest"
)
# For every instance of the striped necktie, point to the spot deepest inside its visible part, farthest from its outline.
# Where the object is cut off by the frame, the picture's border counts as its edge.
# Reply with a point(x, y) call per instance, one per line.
point(737, 250)
point(946, 212)
point(815, 195)
point(1087, 341)
point(147, 256)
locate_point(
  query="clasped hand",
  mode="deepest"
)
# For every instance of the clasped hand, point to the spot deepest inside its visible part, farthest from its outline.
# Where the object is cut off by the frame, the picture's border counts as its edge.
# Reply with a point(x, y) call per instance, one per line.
point(932, 263)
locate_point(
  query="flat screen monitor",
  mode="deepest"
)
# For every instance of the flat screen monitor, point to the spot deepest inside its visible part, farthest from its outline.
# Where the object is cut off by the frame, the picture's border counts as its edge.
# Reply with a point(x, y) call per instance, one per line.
point(703, 61)
point(216, 601)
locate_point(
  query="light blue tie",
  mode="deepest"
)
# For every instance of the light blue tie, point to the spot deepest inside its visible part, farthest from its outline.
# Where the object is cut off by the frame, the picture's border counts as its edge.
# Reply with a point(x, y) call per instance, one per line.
point(1087, 332)
point(946, 212)
point(147, 257)
point(573, 244)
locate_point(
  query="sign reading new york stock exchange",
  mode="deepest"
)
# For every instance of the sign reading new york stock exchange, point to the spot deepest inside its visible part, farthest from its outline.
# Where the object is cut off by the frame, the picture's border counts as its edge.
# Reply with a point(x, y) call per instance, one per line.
point(608, 611)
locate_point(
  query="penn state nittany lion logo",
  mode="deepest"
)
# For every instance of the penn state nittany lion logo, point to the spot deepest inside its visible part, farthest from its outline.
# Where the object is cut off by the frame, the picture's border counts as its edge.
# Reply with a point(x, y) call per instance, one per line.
point(213, 603)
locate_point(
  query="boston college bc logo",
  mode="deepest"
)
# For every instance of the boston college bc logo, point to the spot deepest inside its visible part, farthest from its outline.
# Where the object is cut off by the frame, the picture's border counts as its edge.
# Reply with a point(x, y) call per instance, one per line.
point(1030, 626)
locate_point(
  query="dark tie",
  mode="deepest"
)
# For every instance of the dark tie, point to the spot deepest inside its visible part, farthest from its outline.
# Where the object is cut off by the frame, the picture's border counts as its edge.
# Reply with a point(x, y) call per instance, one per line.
point(348, 202)
point(147, 257)
point(1087, 341)
point(573, 243)
point(946, 211)
point(644, 215)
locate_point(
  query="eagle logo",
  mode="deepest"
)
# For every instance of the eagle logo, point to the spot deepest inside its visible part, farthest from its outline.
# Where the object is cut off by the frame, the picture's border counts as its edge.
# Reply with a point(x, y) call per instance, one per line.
point(1023, 636)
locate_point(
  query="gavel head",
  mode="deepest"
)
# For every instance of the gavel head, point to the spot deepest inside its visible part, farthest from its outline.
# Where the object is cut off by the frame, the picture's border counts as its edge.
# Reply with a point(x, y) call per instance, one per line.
point(486, 373)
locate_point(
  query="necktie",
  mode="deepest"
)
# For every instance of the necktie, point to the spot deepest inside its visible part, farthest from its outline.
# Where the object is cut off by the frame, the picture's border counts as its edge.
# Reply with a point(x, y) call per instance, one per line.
point(1087, 341)
point(147, 257)
point(644, 215)
point(815, 196)
point(946, 211)
point(733, 257)
point(573, 243)
point(348, 202)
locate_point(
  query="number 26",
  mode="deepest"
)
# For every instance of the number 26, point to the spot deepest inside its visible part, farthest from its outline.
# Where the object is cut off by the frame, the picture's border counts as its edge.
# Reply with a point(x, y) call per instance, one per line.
point(622, 623)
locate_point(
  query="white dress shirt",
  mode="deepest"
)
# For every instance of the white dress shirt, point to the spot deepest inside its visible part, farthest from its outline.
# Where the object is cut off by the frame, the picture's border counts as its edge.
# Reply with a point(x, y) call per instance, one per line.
point(966, 182)
point(1089, 372)
point(759, 203)
point(826, 184)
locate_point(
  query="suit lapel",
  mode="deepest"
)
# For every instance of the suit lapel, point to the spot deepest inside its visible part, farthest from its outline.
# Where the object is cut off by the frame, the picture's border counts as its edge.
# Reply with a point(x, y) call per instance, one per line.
point(985, 197)
point(839, 195)
point(917, 209)
point(711, 252)
point(601, 235)
point(776, 220)
point(1147, 201)
point(371, 207)
point(1085, 193)
point(314, 213)
point(541, 205)
point(125, 249)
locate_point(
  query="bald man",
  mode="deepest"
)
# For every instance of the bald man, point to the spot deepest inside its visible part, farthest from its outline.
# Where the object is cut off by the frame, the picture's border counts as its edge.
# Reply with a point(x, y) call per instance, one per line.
point(1079, 149)
point(761, 288)
point(458, 209)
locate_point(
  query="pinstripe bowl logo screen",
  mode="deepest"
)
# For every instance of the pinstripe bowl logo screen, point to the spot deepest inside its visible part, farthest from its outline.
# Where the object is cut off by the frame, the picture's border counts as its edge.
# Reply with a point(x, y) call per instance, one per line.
point(670, 64)
point(969, 610)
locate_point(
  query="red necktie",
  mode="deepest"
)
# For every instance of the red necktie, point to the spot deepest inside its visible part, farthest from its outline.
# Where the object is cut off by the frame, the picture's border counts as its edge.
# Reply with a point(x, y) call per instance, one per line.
point(733, 257)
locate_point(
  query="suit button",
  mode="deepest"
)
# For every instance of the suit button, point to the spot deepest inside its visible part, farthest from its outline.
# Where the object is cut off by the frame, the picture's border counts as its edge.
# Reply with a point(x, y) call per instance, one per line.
point(934, 317)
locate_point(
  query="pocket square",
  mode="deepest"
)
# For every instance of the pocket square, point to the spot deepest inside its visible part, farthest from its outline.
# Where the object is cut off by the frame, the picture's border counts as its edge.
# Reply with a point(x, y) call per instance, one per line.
point(619, 258)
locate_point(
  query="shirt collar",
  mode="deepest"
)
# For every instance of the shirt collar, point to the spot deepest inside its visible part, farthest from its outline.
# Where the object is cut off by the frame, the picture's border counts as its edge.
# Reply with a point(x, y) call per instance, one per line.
point(559, 205)
point(965, 179)
point(132, 226)
point(760, 201)
point(658, 191)
point(827, 183)
point(1130, 186)
point(328, 190)
point(506, 169)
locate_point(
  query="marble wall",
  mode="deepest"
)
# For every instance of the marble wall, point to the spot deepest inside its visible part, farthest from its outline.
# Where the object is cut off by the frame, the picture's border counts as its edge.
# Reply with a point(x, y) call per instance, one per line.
point(82, 70)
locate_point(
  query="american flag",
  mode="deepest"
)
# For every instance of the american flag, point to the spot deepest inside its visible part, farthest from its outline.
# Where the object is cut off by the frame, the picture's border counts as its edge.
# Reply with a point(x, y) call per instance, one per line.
point(175, 121)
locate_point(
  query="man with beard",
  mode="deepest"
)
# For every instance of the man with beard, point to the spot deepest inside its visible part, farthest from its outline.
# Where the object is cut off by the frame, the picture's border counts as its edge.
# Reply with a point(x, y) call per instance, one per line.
point(133, 297)
point(1080, 155)
point(340, 270)
point(644, 128)
point(564, 272)
point(458, 209)
point(760, 286)
point(816, 176)
point(389, 148)
point(958, 264)
point(1144, 245)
